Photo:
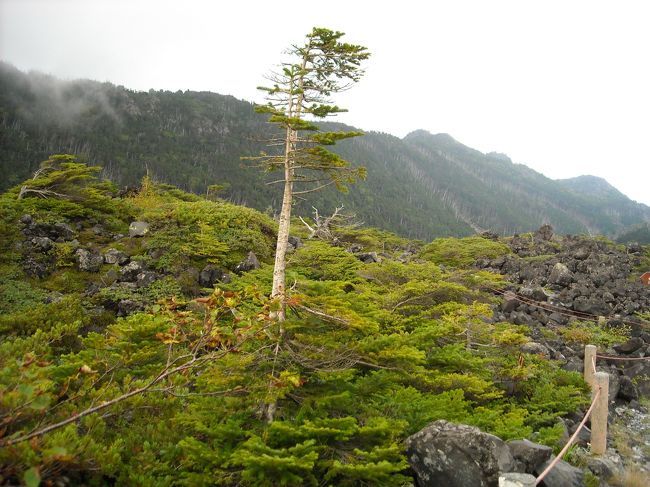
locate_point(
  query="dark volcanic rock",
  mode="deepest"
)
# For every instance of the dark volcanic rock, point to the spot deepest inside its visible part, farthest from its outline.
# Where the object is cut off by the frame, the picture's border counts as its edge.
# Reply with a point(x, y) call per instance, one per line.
point(143, 279)
point(561, 275)
point(114, 256)
point(59, 232)
point(628, 390)
point(368, 257)
point(490, 235)
point(536, 349)
point(510, 302)
point(64, 232)
point(630, 346)
point(634, 248)
point(456, 455)
point(545, 232)
point(138, 229)
point(89, 260)
point(530, 455)
point(355, 248)
point(295, 242)
point(212, 274)
point(581, 253)
point(38, 266)
point(42, 244)
point(602, 467)
point(562, 475)
point(25, 219)
point(592, 306)
point(248, 264)
point(128, 306)
point(129, 273)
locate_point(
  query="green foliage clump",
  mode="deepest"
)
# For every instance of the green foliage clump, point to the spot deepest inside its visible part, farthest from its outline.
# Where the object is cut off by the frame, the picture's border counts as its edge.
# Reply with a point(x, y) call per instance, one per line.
point(552, 436)
point(373, 239)
point(65, 189)
point(590, 332)
point(43, 316)
point(17, 295)
point(187, 229)
point(462, 252)
point(551, 393)
point(321, 261)
point(64, 254)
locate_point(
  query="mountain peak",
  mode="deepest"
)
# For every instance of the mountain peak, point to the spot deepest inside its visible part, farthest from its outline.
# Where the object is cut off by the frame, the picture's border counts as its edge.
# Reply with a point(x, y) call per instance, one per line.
point(590, 184)
point(499, 156)
point(421, 133)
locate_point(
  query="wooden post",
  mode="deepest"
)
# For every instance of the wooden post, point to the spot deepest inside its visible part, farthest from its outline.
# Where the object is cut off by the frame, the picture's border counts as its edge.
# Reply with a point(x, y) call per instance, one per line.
point(602, 321)
point(516, 480)
point(589, 365)
point(599, 414)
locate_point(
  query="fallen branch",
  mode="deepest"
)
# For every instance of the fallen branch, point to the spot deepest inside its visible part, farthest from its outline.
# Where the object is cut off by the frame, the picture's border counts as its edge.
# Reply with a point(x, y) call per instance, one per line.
point(41, 193)
point(325, 316)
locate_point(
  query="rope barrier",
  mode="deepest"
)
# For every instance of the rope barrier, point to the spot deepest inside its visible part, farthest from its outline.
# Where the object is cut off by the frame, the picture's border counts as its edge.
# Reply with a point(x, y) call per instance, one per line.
point(546, 306)
point(556, 309)
point(570, 442)
point(610, 357)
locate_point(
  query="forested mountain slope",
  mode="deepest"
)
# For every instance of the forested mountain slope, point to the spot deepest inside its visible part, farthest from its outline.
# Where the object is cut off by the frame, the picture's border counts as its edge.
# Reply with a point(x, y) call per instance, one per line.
point(421, 186)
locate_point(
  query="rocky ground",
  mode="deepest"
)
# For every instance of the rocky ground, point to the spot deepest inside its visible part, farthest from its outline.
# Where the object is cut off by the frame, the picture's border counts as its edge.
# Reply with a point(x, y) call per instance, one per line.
point(555, 285)
point(557, 281)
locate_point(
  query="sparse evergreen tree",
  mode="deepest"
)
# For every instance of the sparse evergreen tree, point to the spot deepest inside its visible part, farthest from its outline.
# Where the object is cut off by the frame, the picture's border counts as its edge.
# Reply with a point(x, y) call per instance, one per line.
point(321, 67)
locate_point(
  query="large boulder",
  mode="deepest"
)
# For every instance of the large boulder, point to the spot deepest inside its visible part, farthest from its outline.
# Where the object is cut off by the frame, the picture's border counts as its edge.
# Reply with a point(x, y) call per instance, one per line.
point(25, 219)
point(248, 264)
point(129, 273)
point(630, 346)
point(38, 265)
point(89, 260)
point(536, 349)
point(561, 475)
point(561, 275)
point(145, 278)
point(592, 306)
point(114, 256)
point(42, 244)
point(639, 372)
point(628, 390)
point(544, 233)
point(128, 306)
point(295, 242)
point(368, 257)
point(63, 232)
point(529, 455)
point(212, 274)
point(457, 455)
point(510, 302)
point(138, 229)
point(58, 232)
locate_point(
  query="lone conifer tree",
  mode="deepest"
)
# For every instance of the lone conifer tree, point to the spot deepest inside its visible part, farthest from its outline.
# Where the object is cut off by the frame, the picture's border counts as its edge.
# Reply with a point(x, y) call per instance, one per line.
point(301, 91)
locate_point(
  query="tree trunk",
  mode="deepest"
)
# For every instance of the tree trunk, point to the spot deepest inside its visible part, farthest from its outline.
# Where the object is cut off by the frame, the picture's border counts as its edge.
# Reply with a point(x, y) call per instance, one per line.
point(278, 291)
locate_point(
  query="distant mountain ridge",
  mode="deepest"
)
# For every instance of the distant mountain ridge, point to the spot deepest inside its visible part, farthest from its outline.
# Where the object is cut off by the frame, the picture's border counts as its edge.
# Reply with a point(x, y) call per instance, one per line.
point(421, 186)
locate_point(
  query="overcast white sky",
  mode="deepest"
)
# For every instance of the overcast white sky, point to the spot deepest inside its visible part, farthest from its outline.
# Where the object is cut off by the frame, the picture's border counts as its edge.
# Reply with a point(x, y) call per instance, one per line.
point(561, 86)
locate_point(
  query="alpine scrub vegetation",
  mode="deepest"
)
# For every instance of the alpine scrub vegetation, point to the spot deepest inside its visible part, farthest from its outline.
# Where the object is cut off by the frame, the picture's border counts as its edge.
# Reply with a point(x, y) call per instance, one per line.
point(174, 390)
